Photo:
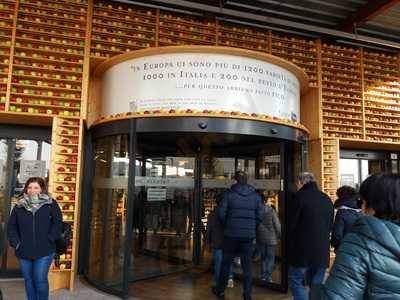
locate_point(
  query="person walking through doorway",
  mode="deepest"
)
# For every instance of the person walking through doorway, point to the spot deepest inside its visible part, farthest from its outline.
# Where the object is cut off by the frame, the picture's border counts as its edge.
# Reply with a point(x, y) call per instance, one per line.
point(34, 226)
point(240, 212)
point(214, 238)
point(268, 234)
point(310, 223)
point(346, 215)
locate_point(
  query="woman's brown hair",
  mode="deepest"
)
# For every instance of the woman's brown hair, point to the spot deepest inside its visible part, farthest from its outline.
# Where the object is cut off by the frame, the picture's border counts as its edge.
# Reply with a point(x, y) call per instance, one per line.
point(39, 180)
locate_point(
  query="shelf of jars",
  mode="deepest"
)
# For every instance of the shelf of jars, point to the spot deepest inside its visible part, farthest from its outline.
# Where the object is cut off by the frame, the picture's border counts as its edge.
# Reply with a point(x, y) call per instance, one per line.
point(48, 58)
point(381, 96)
point(64, 175)
point(343, 119)
point(118, 28)
point(382, 121)
point(181, 29)
point(330, 151)
point(302, 52)
point(342, 102)
point(242, 36)
point(7, 10)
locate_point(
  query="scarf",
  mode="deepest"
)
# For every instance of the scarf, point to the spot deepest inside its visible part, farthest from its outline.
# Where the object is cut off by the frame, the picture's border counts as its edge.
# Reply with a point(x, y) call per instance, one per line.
point(33, 202)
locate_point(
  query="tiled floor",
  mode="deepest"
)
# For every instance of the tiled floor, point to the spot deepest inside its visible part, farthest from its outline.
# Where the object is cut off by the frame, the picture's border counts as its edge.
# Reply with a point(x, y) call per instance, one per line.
point(194, 285)
point(14, 290)
point(189, 285)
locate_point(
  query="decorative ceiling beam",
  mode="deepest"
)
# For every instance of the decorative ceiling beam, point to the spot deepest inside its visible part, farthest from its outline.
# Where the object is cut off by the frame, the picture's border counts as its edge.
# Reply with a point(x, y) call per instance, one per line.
point(254, 19)
point(365, 13)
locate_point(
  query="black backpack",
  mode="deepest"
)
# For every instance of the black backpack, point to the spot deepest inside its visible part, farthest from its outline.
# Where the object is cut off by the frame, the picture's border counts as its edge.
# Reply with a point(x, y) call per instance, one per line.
point(63, 241)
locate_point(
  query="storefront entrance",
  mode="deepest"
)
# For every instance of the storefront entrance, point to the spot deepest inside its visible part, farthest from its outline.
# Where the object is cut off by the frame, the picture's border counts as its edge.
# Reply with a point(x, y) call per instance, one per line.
point(177, 178)
point(357, 165)
point(24, 152)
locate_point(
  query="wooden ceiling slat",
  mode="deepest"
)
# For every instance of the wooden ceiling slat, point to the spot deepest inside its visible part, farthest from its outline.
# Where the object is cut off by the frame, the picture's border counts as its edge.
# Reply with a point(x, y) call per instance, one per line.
point(366, 12)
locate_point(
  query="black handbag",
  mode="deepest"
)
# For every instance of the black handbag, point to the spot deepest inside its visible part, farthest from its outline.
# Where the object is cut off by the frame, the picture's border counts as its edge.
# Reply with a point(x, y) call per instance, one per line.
point(63, 241)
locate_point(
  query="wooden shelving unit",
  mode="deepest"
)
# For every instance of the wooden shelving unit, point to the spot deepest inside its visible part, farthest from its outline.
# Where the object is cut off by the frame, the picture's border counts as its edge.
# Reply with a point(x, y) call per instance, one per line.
point(182, 29)
point(119, 28)
point(7, 13)
point(342, 101)
point(64, 186)
point(330, 166)
point(243, 36)
point(299, 51)
point(48, 58)
point(381, 96)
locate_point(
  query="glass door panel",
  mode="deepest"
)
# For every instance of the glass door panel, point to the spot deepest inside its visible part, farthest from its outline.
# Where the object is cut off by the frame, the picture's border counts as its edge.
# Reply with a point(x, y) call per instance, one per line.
point(108, 212)
point(264, 173)
point(267, 259)
point(217, 176)
point(19, 160)
point(163, 215)
point(28, 161)
point(349, 170)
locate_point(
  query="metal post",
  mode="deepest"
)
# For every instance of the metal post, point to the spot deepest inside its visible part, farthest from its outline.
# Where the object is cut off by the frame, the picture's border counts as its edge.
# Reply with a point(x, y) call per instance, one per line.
point(129, 209)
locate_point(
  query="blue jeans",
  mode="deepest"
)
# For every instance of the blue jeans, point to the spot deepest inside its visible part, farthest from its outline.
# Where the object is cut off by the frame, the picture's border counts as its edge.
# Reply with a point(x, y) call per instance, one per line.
point(267, 261)
point(297, 277)
point(35, 272)
point(217, 261)
point(236, 247)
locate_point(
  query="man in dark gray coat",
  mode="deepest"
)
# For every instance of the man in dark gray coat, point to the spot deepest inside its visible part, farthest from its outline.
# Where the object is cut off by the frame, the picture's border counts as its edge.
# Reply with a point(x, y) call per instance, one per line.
point(240, 212)
point(310, 223)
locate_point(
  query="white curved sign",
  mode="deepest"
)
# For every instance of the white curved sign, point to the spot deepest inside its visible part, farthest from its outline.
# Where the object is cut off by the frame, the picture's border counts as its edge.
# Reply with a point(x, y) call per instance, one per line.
point(200, 82)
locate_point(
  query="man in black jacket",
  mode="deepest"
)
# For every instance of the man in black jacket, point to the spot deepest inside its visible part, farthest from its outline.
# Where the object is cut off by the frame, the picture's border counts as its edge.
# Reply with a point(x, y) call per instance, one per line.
point(310, 223)
point(240, 212)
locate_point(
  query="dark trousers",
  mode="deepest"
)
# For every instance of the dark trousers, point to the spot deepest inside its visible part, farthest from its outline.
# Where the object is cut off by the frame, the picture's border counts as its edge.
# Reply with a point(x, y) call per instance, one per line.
point(236, 247)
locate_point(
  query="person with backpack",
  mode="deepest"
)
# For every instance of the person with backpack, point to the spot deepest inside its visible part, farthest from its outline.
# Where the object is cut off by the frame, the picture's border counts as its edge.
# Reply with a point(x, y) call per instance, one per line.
point(33, 228)
point(347, 213)
point(240, 212)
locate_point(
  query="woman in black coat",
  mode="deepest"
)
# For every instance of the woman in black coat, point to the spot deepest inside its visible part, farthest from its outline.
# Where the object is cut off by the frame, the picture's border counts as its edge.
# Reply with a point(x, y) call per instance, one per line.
point(34, 226)
point(346, 215)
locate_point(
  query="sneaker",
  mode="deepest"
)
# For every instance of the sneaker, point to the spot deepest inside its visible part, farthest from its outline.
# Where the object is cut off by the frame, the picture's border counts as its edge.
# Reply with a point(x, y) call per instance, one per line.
point(216, 293)
point(230, 283)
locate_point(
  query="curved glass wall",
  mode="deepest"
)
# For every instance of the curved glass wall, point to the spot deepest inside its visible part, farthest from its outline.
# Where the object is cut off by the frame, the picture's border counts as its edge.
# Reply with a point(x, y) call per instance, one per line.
point(178, 177)
point(108, 212)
